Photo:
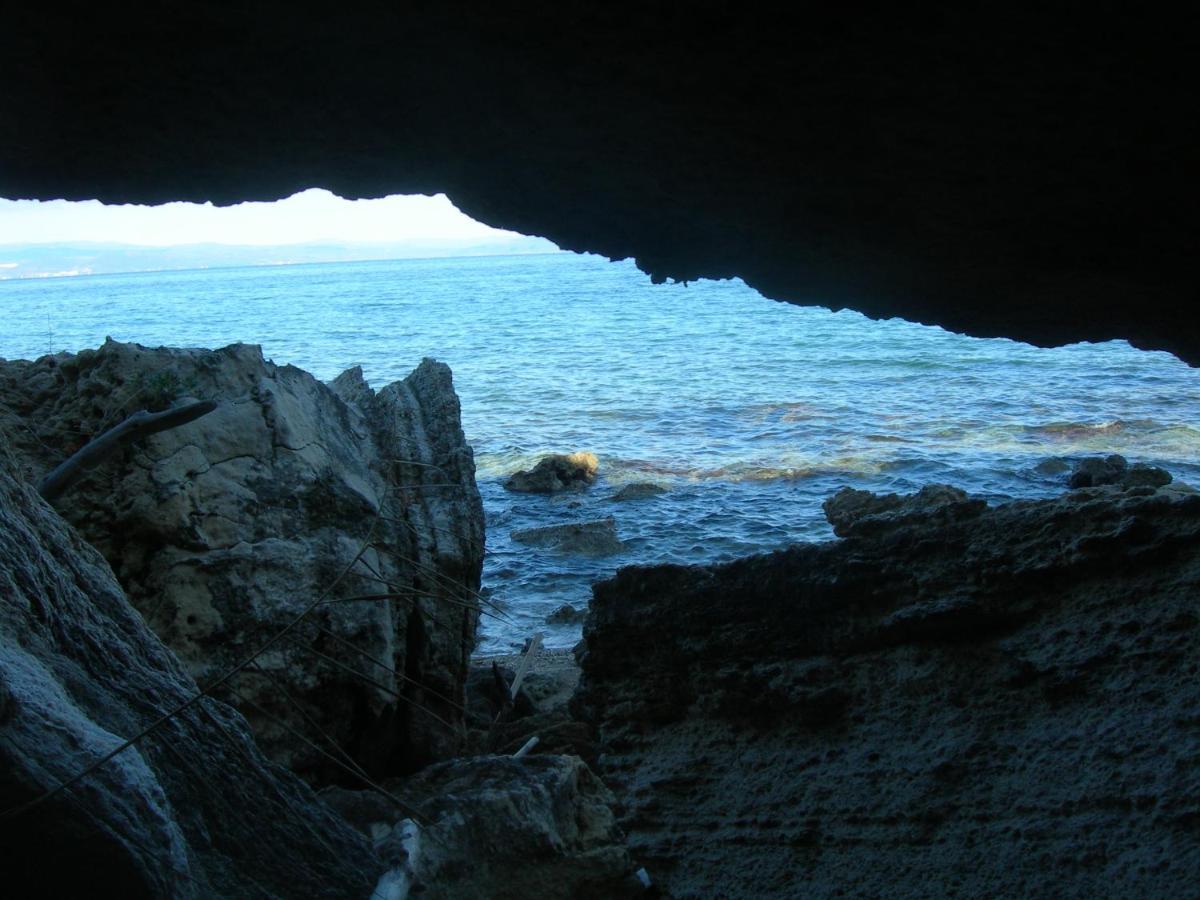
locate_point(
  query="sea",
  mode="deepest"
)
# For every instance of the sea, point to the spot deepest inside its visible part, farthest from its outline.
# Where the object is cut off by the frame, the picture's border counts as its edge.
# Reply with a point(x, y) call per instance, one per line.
point(746, 411)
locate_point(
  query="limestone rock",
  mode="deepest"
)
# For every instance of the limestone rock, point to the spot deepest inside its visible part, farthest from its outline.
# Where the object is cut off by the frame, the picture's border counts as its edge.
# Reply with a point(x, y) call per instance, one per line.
point(194, 809)
point(541, 827)
point(290, 494)
point(638, 490)
point(994, 704)
point(555, 473)
point(595, 538)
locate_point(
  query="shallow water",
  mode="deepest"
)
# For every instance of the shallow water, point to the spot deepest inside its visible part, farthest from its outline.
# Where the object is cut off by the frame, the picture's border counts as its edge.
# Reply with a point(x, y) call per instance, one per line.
point(749, 412)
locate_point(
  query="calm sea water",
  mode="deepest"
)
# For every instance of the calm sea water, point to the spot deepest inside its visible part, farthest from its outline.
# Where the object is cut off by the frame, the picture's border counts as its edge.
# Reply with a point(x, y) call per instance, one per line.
point(749, 412)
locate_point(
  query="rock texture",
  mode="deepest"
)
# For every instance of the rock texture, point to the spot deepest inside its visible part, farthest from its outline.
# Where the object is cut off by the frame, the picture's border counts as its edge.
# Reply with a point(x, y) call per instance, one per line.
point(954, 699)
point(992, 168)
point(497, 827)
point(595, 538)
point(554, 473)
point(291, 494)
point(193, 810)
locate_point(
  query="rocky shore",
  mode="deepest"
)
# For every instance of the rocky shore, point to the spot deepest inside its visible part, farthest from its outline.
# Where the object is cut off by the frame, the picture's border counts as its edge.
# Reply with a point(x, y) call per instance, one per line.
point(953, 699)
point(950, 698)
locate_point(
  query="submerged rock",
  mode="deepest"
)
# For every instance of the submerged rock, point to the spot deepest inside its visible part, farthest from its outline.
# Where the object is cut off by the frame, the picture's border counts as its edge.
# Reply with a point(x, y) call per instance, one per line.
point(566, 615)
point(639, 490)
point(292, 496)
point(556, 473)
point(595, 538)
point(498, 827)
point(993, 701)
point(193, 809)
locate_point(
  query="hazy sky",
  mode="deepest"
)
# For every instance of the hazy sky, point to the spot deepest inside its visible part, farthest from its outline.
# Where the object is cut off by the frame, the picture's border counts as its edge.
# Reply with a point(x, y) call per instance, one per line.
point(313, 215)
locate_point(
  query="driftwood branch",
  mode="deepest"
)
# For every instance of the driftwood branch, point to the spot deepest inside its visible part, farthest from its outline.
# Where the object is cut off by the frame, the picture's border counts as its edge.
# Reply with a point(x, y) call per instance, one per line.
point(137, 426)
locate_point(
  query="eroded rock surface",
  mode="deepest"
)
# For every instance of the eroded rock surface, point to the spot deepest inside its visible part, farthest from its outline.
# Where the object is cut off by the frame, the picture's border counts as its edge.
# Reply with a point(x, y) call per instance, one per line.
point(291, 494)
point(952, 700)
point(498, 827)
point(192, 810)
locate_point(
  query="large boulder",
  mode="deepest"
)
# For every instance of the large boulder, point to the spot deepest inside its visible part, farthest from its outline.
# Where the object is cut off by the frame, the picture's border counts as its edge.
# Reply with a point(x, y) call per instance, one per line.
point(193, 809)
point(957, 699)
point(291, 499)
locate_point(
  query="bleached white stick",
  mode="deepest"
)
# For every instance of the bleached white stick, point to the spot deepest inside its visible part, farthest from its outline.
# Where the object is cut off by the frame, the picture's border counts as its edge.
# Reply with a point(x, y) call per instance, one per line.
point(526, 747)
point(523, 666)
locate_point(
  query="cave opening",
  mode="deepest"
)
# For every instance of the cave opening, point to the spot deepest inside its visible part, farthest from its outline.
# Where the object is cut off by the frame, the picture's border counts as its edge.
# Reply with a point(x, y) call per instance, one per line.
point(721, 419)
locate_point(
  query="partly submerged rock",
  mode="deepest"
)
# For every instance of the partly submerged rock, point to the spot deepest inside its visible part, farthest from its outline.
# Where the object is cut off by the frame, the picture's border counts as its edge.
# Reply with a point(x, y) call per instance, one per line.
point(595, 538)
point(555, 473)
point(292, 496)
point(193, 809)
point(638, 490)
point(851, 511)
point(1098, 471)
point(566, 615)
point(996, 703)
point(499, 827)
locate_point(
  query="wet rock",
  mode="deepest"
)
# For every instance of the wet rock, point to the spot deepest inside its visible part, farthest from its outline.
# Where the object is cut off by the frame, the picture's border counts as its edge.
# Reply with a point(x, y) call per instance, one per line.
point(595, 538)
point(291, 493)
point(555, 473)
point(1114, 470)
point(1095, 471)
point(1142, 475)
point(498, 827)
point(193, 809)
point(566, 615)
point(851, 511)
point(1055, 465)
point(1021, 678)
point(639, 490)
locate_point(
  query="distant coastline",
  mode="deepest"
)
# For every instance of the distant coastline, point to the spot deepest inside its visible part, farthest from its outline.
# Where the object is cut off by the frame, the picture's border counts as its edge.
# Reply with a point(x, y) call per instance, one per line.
point(22, 261)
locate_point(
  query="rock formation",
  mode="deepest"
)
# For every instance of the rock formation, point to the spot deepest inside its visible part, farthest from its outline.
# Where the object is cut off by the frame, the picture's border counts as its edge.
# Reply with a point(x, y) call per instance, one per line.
point(638, 490)
point(193, 809)
point(498, 827)
point(554, 473)
point(291, 495)
point(994, 168)
point(595, 538)
point(953, 699)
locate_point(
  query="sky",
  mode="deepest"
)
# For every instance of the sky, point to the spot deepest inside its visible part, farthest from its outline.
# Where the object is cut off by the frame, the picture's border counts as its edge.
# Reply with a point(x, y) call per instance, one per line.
point(312, 215)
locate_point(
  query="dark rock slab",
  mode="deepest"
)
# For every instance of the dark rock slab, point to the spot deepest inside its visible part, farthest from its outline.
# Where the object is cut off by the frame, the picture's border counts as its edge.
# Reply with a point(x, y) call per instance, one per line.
point(984, 702)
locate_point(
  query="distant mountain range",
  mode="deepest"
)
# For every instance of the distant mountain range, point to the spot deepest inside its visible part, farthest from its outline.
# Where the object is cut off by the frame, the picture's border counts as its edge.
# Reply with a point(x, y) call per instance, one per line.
point(52, 260)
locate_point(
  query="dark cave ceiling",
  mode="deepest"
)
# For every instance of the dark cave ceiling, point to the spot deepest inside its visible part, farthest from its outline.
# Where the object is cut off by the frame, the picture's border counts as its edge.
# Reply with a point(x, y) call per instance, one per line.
point(997, 172)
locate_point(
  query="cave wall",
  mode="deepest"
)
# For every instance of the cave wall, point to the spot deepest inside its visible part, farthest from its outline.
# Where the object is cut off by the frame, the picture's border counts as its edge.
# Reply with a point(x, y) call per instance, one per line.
point(992, 170)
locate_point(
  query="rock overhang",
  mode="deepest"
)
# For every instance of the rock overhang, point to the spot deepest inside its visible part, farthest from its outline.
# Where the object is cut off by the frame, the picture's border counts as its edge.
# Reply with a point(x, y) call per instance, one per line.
point(996, 172)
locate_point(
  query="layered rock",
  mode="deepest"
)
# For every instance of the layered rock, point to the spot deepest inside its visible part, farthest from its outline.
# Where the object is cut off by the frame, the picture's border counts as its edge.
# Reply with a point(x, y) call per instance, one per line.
point(953, 699)
point(193, 809)
point(292, 498)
